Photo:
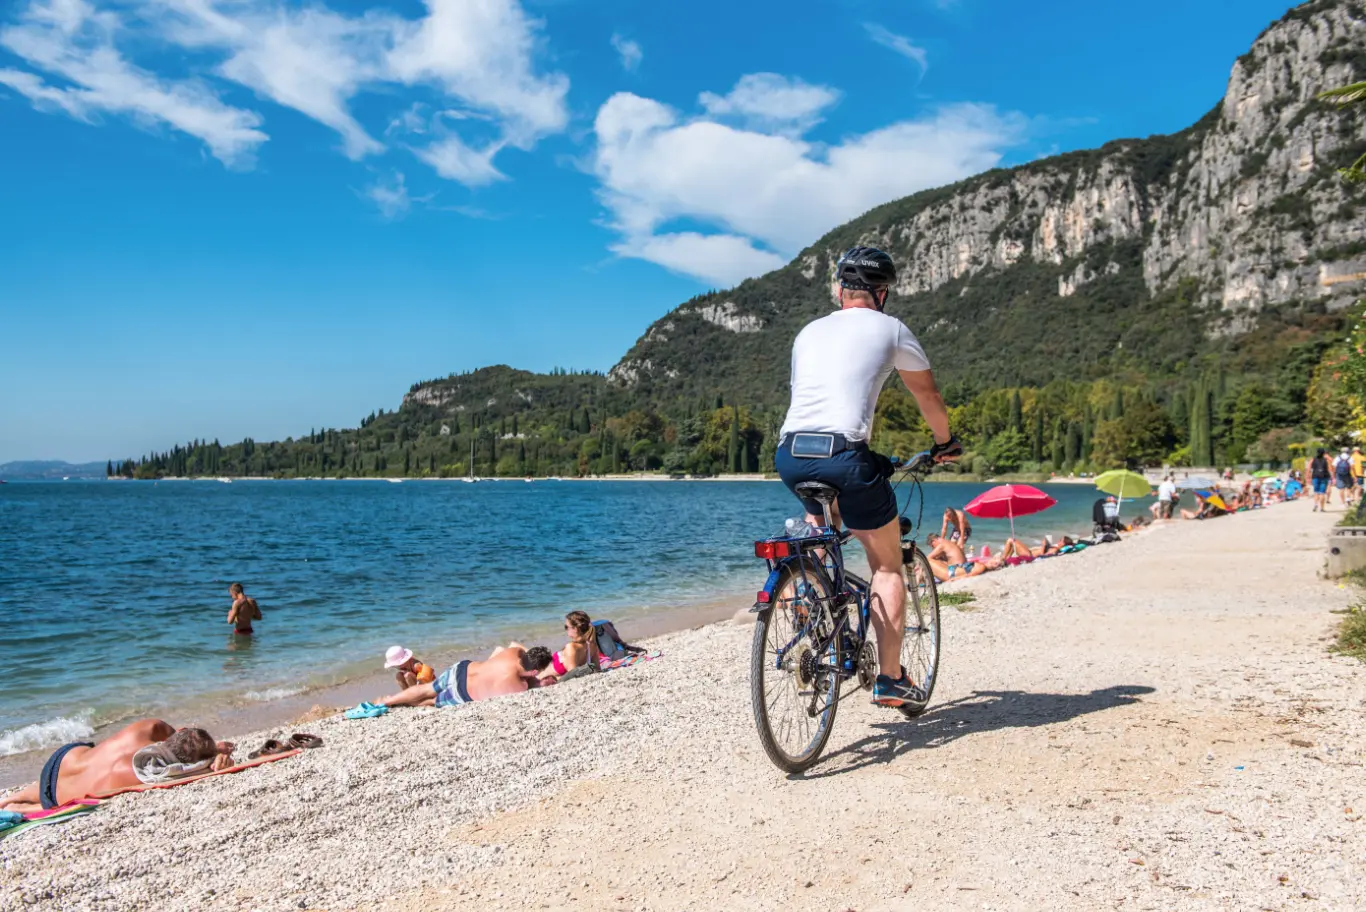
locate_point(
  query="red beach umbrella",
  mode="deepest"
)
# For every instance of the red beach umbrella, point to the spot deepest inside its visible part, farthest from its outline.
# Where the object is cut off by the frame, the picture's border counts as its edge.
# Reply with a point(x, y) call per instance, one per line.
point(1008, 501)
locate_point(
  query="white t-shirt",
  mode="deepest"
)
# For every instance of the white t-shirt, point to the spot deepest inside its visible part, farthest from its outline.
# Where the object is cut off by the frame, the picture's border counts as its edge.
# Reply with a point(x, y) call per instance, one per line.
point(839, 364)
point(1166, 491)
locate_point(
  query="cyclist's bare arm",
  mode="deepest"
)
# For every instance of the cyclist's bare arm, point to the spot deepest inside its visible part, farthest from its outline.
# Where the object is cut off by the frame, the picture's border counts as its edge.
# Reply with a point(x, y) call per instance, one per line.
point(926, 393)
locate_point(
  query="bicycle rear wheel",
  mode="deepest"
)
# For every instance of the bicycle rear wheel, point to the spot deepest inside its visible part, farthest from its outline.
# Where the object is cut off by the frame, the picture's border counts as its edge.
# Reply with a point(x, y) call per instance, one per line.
point(920, 642)
point(793, 698)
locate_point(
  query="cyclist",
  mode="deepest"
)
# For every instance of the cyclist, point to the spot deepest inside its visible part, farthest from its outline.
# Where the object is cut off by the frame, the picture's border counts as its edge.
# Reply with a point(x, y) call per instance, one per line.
point(839, 364)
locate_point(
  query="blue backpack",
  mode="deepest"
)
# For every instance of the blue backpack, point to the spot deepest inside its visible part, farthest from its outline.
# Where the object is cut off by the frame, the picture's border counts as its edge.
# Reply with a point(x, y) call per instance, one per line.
point(610, 643)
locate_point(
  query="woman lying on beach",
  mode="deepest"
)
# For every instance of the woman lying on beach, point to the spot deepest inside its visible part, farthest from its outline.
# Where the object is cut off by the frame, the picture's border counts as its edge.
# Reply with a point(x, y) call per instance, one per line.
point(580, 652)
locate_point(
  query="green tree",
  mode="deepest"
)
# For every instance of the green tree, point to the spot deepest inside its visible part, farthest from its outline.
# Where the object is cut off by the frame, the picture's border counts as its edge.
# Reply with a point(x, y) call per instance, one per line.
point(1016, 420)
point(1007, 451)
point(1036, 448)
point(1350, 94)
point(734, 458)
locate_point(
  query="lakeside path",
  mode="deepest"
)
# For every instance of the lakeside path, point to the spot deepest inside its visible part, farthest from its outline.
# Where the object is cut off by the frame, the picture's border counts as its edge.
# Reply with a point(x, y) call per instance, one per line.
point(1083, 751)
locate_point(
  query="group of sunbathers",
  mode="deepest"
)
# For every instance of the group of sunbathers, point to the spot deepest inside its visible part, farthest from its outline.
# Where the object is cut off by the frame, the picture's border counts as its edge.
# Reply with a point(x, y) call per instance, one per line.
point(154, 752)
point(950, 556)
point(509, 669)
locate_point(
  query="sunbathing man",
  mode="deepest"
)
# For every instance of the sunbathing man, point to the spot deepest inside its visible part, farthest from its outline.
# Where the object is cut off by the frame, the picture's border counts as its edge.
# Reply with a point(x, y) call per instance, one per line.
point(509, 670)
point(948, 562)
point(81, 769)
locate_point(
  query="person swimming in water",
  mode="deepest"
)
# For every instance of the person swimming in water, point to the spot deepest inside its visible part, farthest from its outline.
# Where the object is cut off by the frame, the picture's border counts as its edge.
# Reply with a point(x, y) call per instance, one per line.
point(243, 611)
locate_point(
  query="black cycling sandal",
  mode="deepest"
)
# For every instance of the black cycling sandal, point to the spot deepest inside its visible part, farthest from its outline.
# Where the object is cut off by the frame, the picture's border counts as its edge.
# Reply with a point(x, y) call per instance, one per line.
point(305, 741)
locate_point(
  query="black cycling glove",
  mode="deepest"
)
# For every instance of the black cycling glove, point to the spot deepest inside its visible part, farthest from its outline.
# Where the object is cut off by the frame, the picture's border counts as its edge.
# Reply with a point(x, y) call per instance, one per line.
point(940, 451)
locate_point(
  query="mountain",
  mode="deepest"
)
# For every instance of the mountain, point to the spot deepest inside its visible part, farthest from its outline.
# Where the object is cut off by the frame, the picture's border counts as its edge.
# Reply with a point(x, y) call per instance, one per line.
point(1233, 237)
point(35, 470)
point(1176, 298)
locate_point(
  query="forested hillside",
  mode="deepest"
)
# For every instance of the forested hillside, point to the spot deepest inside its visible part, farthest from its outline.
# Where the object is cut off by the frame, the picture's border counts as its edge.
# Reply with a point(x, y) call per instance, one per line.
point(1179, 298)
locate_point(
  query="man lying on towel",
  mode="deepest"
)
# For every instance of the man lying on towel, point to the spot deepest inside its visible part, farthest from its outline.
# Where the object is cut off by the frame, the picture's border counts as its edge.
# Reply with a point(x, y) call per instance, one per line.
point(146, 752)
point(511, 669)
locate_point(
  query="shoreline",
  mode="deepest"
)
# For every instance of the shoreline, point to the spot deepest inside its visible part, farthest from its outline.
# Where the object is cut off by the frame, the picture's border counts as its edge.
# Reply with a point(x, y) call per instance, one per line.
point(1146, 716)
point(231, 719)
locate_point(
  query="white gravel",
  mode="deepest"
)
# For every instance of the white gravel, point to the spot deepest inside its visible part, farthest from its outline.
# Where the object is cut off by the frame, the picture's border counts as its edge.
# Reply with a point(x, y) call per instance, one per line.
point(1084, 751)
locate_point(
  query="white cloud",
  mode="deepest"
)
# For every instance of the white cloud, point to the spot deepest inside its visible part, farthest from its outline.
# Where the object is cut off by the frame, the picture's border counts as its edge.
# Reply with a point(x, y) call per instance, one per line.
point(70, 40)
point(899, 43)
point(391, 196)
point(454, 160)
point(722, 259)
point(768, 195)
point(479, 54)
point(481, 51)
point(630, 52)
point(768, 101)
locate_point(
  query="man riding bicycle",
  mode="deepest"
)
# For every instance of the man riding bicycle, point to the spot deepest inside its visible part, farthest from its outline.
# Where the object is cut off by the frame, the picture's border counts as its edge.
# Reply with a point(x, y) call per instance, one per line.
point(839, 364)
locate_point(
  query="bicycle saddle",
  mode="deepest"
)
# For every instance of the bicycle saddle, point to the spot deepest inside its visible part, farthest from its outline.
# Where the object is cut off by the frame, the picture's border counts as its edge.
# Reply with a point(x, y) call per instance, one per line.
point(818, 491)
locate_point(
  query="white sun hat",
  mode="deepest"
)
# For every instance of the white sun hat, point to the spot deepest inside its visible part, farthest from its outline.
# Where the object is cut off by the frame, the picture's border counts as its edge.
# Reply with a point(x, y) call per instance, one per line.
point(395, 656)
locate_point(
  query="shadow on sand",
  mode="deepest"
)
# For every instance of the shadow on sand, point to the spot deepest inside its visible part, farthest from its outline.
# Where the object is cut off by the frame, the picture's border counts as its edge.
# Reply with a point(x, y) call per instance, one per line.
point(982, 711)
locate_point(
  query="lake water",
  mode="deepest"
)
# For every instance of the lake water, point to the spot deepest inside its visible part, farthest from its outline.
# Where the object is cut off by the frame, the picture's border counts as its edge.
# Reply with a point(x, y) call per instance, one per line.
point(113, 595)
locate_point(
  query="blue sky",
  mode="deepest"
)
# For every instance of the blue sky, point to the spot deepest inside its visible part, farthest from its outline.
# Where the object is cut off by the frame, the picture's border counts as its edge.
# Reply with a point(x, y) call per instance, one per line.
point(222, 218)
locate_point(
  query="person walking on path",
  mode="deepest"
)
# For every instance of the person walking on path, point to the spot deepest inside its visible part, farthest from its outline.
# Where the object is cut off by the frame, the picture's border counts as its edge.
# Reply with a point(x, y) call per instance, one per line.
point(1319, 474)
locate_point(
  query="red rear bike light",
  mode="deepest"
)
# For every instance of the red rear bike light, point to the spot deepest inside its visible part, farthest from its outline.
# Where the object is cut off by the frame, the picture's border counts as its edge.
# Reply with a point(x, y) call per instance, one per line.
point(763, 597)
point(771, 550)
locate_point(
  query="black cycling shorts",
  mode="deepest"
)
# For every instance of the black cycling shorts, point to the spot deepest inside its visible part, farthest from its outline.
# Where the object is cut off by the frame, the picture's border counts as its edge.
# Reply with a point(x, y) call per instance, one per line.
point(866, 500)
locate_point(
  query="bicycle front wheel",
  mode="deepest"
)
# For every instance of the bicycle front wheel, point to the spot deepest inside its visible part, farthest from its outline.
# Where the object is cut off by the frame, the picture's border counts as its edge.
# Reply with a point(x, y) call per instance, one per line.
point(792, 695)
point(920, 642)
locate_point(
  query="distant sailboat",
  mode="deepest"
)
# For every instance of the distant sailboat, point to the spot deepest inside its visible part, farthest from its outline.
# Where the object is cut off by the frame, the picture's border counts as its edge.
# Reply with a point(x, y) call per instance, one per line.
point(469, 478)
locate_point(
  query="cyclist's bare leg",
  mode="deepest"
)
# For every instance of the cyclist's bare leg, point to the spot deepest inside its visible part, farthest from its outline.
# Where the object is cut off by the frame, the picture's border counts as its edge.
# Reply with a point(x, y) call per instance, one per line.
point(888, 586)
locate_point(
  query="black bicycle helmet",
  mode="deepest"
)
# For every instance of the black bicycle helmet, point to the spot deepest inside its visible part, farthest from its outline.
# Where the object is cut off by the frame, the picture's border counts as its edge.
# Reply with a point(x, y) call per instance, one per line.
point(865, 269)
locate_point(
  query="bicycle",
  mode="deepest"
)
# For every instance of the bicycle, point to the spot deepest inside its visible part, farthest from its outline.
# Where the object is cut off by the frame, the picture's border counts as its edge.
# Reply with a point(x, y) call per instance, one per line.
point(808, 642)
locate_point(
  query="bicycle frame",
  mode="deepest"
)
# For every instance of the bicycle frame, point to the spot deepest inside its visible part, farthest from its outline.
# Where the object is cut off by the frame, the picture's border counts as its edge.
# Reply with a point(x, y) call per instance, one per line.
point(846, 586)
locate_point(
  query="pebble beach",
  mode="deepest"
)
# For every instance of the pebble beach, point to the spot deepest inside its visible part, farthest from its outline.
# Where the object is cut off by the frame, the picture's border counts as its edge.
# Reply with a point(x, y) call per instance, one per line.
point(1151, 724)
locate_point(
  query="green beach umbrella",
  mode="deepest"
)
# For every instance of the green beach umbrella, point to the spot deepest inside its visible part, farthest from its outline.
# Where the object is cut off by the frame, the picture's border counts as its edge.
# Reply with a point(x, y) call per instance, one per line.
point(1264, 473)
point(1122, 483)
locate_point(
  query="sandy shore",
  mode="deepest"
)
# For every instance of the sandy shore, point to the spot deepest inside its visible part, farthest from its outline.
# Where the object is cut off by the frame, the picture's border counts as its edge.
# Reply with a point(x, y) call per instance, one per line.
point(1154, 725)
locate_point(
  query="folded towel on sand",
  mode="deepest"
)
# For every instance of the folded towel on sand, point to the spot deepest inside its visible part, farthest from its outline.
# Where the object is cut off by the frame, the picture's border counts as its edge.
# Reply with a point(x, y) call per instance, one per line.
point(155, 764)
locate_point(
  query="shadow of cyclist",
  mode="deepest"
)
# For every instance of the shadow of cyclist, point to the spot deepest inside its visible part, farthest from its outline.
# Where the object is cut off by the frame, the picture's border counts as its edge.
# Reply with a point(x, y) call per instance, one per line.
point(982, 711)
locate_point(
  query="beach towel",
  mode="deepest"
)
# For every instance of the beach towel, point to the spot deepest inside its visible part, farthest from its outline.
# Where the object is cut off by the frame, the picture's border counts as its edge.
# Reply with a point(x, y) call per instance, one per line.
point(156, 763)
point(630, 660)
point(26, 822)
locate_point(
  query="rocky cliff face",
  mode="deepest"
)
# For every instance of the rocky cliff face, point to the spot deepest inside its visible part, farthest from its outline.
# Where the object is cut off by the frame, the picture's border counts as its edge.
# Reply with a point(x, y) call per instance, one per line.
point(1161, 249)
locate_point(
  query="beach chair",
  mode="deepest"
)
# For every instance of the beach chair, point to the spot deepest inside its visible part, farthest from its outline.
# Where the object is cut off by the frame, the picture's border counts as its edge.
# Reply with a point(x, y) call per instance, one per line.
point(1105, 520)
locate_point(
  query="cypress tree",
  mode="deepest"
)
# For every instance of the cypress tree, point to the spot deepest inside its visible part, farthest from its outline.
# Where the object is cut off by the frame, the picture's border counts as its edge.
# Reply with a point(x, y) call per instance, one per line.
point(1037, 449)
point(1016, 415)
point(514, 425)
point(109, 468)
point(1084, 454)
point(1117, 407)
point(407, 462)
point(1059, 444)
point(734, 461)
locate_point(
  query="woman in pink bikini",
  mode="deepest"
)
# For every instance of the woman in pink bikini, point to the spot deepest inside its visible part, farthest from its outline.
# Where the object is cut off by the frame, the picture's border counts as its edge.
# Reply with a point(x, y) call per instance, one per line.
point(582, 648)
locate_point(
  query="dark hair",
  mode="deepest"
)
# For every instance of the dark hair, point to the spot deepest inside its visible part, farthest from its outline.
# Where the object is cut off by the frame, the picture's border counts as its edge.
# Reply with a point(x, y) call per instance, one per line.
point(537, 658)
point(235, 589)
point(191, 745)
point(1322, 451)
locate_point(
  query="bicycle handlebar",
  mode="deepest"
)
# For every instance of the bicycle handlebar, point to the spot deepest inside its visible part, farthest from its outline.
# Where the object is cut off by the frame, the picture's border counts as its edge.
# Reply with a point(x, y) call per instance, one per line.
point(922, 460)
